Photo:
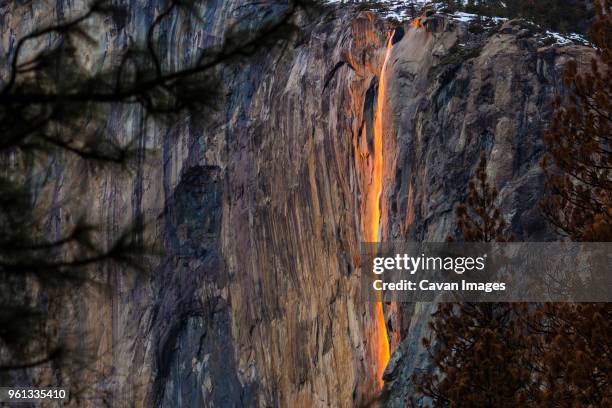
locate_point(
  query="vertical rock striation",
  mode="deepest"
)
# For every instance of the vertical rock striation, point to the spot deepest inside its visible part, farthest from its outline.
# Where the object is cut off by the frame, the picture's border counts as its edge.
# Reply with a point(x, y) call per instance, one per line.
point(261, 207)
point(458, 94)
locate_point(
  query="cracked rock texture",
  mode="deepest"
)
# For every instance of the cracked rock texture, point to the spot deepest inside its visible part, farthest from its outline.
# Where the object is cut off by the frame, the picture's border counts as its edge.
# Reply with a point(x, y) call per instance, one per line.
point(259, 207)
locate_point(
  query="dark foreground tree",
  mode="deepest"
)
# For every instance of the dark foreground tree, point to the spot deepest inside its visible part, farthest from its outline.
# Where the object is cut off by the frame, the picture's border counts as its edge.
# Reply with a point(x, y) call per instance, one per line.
point(579, 163)
point(55, 107)
point(559, 355)
point(575, 344)
point(478, 350)
point(479, 219)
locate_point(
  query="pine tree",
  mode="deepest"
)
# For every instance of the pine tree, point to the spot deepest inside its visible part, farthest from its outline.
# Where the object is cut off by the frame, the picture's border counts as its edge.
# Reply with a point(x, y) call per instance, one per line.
point(556, 15)
point(55, 108)
point(479, 220)
point(479, 351)
point(574, 353)
point(578, 142)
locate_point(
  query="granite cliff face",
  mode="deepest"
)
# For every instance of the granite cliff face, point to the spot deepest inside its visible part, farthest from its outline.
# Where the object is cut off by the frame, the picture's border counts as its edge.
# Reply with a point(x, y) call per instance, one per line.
point(261, 206)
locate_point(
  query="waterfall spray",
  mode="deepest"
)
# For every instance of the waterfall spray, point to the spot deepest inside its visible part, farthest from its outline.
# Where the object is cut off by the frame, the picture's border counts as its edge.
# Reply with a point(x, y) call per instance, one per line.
point(374, 234)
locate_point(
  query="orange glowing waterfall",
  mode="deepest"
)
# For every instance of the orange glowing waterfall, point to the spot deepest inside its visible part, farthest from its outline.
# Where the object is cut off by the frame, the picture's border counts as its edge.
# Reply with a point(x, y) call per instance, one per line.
point(383, 346)
point(377, 176)
point(375, 193)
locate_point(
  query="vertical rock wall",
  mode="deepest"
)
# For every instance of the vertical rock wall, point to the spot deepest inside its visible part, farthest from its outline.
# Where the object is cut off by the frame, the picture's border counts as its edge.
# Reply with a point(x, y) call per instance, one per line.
point(259, 204)
point(455, 95)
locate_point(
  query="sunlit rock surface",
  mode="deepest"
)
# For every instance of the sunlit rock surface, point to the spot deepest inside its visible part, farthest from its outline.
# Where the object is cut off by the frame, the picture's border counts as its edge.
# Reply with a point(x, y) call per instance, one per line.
point(259, 205)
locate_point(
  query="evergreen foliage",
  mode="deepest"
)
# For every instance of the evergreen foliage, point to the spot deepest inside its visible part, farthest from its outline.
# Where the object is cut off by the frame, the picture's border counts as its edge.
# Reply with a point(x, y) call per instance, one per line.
point(479, 351)
point(550, 355)
point(54, 111)
point(555, 15)
point(574, 353)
